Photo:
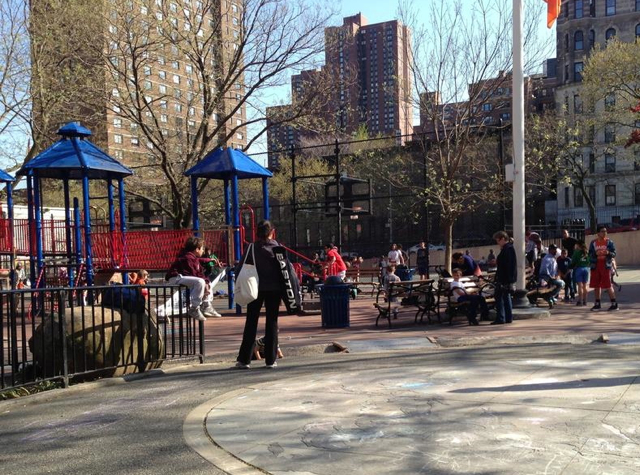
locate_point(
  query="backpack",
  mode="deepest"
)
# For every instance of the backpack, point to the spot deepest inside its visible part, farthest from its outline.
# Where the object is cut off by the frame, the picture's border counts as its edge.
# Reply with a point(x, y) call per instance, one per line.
point(120, 297)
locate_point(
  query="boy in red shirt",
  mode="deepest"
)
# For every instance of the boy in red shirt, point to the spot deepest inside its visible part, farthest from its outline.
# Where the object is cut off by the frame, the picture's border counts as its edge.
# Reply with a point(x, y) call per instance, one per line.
point(335, 264)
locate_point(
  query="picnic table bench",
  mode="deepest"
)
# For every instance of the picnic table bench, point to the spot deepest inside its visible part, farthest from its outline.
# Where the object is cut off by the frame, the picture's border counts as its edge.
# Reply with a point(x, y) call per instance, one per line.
point(537, 290)
point(415, 293)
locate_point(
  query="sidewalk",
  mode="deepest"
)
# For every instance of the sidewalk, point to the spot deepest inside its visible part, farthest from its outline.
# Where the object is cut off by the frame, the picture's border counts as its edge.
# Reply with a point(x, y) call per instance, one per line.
point(432, 399)
point(223, 335)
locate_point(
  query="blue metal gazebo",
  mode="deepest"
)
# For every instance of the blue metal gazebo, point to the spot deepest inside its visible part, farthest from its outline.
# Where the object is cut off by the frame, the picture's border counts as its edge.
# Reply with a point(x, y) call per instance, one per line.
point(230, 165)
point(73, 157)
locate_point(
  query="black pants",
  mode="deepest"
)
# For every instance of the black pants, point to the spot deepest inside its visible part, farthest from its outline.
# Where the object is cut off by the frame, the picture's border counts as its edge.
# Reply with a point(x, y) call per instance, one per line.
point(271, 300)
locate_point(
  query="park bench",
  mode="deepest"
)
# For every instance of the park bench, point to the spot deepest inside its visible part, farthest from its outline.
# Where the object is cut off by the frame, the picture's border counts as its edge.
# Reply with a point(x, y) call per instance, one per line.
point(361, 279)
point(537, 290)
point(418, 294)
point(472, 285)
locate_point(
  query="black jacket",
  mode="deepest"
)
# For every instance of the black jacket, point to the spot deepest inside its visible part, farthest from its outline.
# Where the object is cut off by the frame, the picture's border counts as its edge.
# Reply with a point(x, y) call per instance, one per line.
point(507, 271)
point(269, 275)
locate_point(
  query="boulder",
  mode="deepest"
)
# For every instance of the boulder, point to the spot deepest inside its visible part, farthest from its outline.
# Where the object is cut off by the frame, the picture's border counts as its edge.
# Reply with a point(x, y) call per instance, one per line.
point(97, 339)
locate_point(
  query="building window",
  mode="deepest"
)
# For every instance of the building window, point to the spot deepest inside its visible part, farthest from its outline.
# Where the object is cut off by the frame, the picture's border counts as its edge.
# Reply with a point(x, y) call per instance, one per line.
point(578, 202)
point(567, 191)
point(577, 104)
point(117, 138)
point(162, 89)
point(578, 41)
point(609, 163)
point(591, 191)
point(579, 8)
point(577, 71)
point(637, 194)
point(487, 107)
point(135, 141)
point(610, 34)
point(176, 79)
point(610, 195)
point(118, 154)
point(592, 162)
point(592, 39)
point(609, 134)
point(610, 101)
point(610, 8)
point(117, 122)
point(638, 30)
point(566, 42)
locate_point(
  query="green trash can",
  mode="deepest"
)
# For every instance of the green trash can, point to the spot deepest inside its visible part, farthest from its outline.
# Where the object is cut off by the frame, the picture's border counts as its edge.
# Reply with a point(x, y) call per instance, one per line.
point(334, 303)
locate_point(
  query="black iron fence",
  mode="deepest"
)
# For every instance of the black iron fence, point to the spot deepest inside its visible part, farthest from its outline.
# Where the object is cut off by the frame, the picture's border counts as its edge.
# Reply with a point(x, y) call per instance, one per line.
point(75, 333)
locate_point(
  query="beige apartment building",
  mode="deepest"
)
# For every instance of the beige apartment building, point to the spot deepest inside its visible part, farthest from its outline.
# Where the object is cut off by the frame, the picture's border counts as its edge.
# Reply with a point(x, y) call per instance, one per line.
point(152, 68)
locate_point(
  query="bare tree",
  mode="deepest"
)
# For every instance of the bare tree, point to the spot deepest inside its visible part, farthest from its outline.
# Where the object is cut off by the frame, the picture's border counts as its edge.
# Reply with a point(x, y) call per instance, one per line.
point(461, 57)
point(229, 69)
point(14, 67)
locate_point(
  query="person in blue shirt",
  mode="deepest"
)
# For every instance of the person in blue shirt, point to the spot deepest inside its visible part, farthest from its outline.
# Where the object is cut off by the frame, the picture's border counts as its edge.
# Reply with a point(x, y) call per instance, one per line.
point(465, 263)
point(549, 271)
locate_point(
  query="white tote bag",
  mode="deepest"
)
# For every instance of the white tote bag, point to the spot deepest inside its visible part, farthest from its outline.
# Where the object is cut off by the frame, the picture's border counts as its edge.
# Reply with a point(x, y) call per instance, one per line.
point(246, 290)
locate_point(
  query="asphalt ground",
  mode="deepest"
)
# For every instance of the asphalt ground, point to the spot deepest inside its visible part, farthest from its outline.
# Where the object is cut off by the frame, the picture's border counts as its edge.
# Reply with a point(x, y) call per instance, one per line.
point(538, 396)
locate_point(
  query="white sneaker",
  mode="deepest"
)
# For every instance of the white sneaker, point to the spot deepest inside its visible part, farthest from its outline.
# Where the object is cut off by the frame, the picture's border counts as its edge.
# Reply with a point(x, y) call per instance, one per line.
point(274, 365)
point(197, 314)
point(240, 365)
point(209, 311)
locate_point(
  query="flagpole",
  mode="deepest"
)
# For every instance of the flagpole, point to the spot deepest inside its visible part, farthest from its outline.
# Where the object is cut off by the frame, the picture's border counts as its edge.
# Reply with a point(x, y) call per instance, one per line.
point(518, 143)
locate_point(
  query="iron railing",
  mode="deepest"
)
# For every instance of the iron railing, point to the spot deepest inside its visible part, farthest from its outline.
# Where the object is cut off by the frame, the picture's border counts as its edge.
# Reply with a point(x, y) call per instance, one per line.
point(74, 333)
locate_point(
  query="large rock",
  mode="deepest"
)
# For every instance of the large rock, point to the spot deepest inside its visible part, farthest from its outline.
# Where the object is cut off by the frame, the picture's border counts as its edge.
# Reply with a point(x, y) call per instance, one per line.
point(97, 338)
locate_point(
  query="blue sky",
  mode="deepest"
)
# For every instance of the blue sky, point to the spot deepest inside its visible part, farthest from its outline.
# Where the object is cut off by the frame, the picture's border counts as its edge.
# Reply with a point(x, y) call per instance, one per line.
point(376, 11)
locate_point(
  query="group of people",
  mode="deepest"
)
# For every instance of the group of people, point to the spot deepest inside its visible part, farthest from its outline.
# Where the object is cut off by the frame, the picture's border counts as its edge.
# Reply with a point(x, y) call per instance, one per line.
point(576, 265)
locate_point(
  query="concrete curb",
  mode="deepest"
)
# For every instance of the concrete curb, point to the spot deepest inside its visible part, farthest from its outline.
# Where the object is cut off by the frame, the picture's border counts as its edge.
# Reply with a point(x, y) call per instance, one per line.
point(198, 438)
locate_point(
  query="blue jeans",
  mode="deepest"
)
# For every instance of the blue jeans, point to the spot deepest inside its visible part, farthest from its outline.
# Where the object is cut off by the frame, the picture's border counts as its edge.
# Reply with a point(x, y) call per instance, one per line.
point(504, 306)
point(557, 283)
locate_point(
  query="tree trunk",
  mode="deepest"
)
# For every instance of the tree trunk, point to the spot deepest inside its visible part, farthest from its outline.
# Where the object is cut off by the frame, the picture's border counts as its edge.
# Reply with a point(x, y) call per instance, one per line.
point(448, 242)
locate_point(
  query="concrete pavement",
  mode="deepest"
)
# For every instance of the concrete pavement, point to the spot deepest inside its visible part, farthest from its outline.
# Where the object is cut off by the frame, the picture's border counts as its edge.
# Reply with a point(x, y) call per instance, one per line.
point(536, 396)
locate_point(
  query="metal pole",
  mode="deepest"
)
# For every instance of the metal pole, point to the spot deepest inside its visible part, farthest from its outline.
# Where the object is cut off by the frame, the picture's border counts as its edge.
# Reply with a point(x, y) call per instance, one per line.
point(265, 197)
point(123, 228)
point(503, 217)
point(67, 222)
point(294, 203)
point(194, 205)
point(88, 251)
point(38, 219)
point(338, 204)
point(426, 203)
point(518, 143)
point(12, 246)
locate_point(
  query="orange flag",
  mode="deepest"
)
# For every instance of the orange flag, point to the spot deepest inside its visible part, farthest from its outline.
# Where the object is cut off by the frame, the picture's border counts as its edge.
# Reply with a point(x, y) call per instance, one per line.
point(553, 10)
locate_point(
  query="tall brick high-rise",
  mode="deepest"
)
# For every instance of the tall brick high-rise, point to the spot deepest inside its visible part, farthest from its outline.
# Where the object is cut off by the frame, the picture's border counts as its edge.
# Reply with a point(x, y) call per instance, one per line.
point(370, 65)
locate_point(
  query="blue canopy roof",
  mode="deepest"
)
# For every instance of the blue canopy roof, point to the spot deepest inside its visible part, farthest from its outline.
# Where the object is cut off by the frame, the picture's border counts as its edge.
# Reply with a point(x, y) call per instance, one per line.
point(72, 157)
point(225, 163)
point(5, 177)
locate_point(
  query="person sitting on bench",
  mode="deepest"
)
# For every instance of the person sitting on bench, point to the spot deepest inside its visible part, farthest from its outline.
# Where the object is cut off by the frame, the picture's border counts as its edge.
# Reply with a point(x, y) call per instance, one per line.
point(549, 272)
point(474, 300)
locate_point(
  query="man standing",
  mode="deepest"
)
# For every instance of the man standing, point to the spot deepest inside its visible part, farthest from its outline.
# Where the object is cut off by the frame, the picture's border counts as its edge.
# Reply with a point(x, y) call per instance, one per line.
point(569, 244)
point(395, 256)
point(601, 253)
point(422, 259)
point(335, 264)
point(506, 276)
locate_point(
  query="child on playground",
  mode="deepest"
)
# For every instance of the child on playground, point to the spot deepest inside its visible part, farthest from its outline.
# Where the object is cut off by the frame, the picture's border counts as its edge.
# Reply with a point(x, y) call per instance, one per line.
point(141, 279)
point(186, 270)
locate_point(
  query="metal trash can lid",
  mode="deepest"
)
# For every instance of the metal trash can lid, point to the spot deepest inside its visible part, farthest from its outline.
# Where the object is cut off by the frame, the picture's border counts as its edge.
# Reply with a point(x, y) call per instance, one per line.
point(333, 280)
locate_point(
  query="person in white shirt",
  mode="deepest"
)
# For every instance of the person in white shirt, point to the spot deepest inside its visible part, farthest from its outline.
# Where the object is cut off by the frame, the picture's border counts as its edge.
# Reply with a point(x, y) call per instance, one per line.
point(395, 256)
point(475, 300)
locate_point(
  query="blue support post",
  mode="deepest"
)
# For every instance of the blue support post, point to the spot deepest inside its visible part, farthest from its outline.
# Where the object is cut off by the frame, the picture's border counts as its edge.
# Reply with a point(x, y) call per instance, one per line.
point(194, 205)
point(265, 197)
point(87, 230)
point(12, 247)
point(227, 221)
point(112, 222)
point(237, 255)
point(76, 227)
point(67, 223)
point(32, 253)
point(38, 221)
point(123, 228)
